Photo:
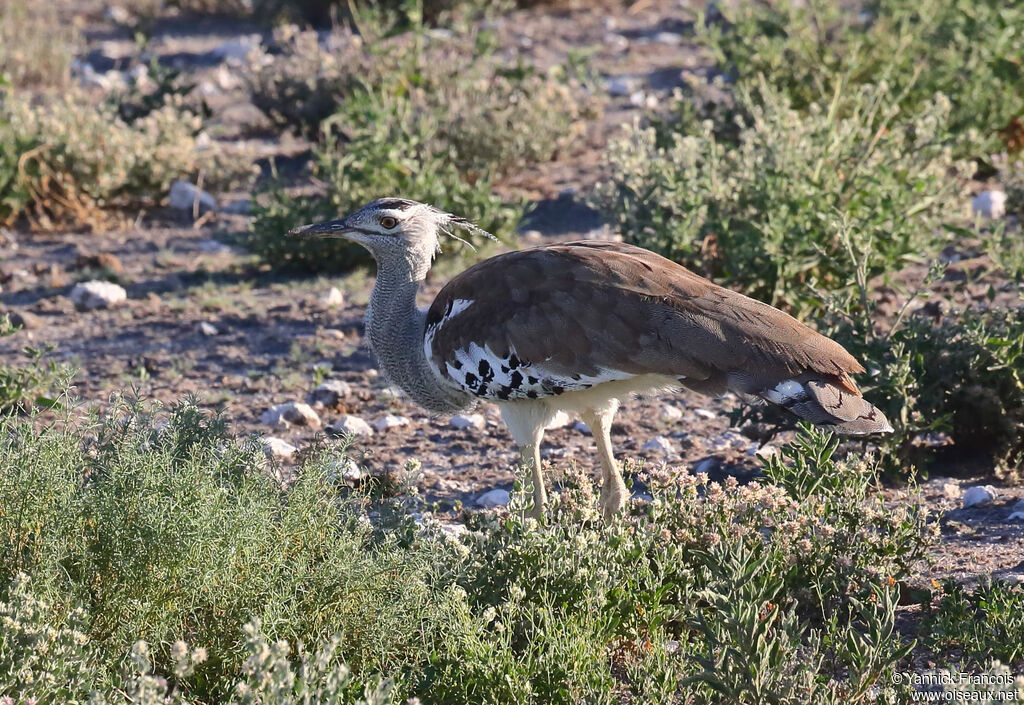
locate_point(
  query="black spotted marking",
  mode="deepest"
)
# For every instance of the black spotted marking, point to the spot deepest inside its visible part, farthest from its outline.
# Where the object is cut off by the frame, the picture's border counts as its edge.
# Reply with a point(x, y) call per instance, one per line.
point(485, 371)
point(395, 204)
point(504, 369)
point(532, 394)
point(456, 364)
point(471, 380)
point(515, 380)
point(513, 361)
point(532, 380)
point(504, 392)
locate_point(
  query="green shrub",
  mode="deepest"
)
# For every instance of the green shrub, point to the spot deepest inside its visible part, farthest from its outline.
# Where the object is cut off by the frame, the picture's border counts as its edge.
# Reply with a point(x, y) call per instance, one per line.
point(174, 532)
point(67, 160)
point(970, 50)
point(30, 384)
point(979, 624)
point(426, 122)
point(36, 48)
point(766, 214)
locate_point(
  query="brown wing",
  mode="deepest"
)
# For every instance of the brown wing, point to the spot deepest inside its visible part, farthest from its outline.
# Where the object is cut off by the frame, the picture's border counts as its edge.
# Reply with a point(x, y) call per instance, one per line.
point(579, 313)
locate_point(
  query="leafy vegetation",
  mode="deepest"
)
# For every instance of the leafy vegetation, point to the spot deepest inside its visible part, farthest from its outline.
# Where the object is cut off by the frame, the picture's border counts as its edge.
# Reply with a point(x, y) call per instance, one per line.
point(67, 160)
point(970, 50)
point(33, 383)
point(978, 625)
point(162, 529)
point(35, 47)
point(422, 119)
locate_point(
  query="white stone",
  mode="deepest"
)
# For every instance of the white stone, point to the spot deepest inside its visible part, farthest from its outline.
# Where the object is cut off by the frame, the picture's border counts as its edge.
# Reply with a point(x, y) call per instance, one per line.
point(237, 49)
point(668, 38)
point(671, 412)
point(991, 204)
point(351, 426)
point(705, 414)
point(560, 420)
point(464, 421)
point(346, 469)
point(284, 415)
point(978, 495)
point(390, 421)
point(184, 196)
point(333, 297)
point(118, 15)
point(329, 393)
point(494, 498)
point(581, 427)
point(278, 448)
point(659, 444)
point(1016, 516)
point(97, 294)
point(453, 531)
point(208, 328)
point(213, 247)
point(620, 86)
point(704, 466)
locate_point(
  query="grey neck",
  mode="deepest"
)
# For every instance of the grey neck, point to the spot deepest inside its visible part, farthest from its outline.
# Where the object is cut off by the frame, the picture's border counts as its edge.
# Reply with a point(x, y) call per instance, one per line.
point(395, 327)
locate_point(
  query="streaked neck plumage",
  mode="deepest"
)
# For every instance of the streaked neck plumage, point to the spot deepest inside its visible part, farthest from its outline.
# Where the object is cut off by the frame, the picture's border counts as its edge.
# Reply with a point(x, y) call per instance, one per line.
point(395, 328)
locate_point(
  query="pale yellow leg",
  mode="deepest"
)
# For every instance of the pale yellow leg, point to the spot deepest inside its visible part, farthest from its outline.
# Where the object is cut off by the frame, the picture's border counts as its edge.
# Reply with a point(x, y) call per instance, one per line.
point(530, 455)
point(613, 488)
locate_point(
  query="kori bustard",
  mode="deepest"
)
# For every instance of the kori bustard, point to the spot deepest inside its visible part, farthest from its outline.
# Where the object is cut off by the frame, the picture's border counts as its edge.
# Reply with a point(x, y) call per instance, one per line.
point(578, 327)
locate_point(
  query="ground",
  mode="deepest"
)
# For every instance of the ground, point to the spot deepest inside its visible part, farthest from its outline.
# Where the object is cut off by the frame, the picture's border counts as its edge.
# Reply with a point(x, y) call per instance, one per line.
point(273, 338)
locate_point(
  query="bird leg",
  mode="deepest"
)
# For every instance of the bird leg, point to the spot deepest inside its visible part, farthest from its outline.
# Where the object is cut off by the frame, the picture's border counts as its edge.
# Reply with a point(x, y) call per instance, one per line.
point(530, 457)
point(613, 489)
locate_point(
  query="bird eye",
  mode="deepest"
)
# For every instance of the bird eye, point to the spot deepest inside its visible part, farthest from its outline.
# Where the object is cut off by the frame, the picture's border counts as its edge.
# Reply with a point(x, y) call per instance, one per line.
point(388, 222)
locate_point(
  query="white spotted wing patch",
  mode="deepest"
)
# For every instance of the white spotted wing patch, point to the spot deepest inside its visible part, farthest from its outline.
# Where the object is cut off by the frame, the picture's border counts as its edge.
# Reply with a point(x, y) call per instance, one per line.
point(483, 373)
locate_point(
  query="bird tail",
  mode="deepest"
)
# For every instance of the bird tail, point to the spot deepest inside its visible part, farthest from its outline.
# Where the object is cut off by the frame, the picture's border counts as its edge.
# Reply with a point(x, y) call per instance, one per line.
point(835, 405)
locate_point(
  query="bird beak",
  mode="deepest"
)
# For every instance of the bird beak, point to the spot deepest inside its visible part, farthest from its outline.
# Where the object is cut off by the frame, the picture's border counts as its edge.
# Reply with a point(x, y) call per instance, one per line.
point(328, 228)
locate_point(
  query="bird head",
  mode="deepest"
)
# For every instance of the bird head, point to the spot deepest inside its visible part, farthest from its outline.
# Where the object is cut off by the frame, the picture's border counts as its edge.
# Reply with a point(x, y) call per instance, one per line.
point(395, 230)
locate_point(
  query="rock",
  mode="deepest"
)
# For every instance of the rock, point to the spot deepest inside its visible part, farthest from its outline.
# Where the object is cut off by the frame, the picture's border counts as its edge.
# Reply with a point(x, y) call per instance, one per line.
point(236, 49)
point(349, 425)
point(334, 297)
point(184, 197)
point(291, 413)
point(26, 320)
point(208, 328)
point(704, 466)
point(581, 427)
point(668, 38)
point(453, 531)
point(1016, 516)
point(97, 294)
point(620, 86)
point(978, 495)
point(670, 413)
point(494, 498)
point(347, 469)
point(329, 394)
point(464, 421)
point(278, 448)
point(390, 421)
point(240, 206)
point(991, 204)
point(705, 414)
point(659, 444)
point(213, 247)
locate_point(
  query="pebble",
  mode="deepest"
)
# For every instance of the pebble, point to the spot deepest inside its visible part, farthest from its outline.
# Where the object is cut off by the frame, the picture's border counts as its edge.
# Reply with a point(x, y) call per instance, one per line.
point(329, 394)
point(671, 412)
point(390, 421)
point(1017, 511)
point(291, 413)
point(659, 444)
point(347, 469)
point(97, 294)
point(26, 320)
point(213, 247)
point(978, 495)
point(334, 297)
point(581, 427)
point(349, 425)
point(278, 448)
point(464, 421)
point(991, 204)
point(705, 414)
point(184, 196)
point(951, 490)
point(453, 531)
point(207, 328)
point(620, 86)
point(705, 466)
point(494, 498)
